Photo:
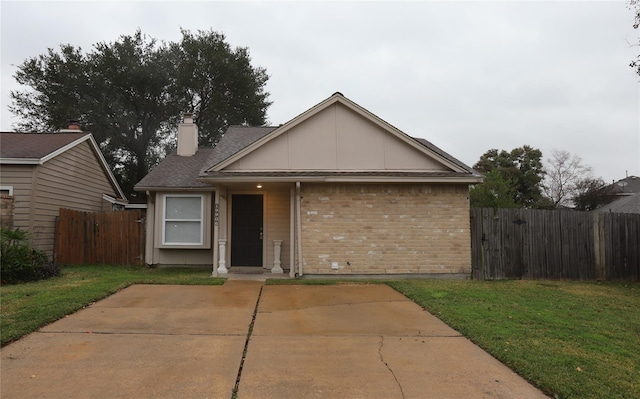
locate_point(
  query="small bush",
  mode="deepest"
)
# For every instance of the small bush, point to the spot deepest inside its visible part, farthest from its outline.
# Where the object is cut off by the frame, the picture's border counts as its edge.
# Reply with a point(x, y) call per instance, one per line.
point(19, 262)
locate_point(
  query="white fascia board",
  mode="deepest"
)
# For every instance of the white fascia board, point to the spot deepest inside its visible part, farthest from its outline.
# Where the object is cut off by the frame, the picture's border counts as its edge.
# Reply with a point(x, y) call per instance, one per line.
point(176, 189)
point(20, 161)
point(113, 200)
point(135, 206)
point(65, 148)
point(345, 179)
point(105, 165)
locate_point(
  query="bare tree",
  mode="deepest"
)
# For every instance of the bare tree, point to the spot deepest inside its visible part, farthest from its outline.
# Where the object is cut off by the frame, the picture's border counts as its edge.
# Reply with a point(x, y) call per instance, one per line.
point(564, 173)
point(634, 5)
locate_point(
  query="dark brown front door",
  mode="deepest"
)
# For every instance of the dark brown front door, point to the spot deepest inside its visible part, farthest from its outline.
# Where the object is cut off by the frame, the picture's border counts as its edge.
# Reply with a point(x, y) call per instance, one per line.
point(246, 230)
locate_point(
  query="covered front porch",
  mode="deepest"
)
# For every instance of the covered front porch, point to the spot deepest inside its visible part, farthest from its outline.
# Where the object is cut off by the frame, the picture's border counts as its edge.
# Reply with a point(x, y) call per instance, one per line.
point(254, 226)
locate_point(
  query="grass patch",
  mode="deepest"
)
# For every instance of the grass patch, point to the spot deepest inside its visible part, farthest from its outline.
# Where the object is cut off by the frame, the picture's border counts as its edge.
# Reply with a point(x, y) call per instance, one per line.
point(27, 307)
point(571, 339)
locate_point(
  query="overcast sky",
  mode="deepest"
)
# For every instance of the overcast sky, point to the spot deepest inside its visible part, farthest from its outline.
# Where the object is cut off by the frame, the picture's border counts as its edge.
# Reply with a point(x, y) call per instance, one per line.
point(468, 76)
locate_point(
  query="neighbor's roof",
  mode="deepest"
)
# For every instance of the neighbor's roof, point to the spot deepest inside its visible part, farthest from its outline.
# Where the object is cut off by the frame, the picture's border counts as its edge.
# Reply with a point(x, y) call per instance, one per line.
point(35, 147)
point(38, 148)
point(627, 185)
point(626, 204)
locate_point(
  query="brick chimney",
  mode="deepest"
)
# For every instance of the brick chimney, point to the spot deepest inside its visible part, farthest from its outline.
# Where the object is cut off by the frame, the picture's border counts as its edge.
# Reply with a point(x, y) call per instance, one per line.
point(74, 127)
point(187, 136)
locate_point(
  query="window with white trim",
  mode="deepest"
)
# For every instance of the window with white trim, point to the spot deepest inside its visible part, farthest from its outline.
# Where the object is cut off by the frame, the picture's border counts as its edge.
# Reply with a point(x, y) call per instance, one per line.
point(6, 190)
point(183, 220)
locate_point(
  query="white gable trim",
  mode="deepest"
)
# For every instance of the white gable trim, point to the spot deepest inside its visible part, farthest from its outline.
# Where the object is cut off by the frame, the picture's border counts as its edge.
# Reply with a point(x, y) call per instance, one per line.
point(20, 161)
point(105, 165)
point(337, 98)
point(96, 149)
point(65, 148)
point(94, 146)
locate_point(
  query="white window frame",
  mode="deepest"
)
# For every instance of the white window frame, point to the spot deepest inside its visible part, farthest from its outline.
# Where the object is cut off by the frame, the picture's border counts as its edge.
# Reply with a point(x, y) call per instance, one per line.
point(7, 188)
point(165, 220)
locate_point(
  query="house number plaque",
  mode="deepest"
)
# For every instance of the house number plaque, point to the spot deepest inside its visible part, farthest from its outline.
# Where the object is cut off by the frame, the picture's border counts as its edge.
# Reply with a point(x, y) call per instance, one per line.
point(215, 214)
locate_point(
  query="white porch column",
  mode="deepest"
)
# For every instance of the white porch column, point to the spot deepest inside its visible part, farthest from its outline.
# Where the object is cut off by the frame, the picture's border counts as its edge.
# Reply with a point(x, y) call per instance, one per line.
point(222, 249)
point(216, 232)
point(276, 257)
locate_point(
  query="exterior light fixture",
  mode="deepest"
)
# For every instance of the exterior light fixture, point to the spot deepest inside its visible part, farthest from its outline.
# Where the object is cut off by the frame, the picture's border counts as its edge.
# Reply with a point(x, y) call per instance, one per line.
point(259, 185)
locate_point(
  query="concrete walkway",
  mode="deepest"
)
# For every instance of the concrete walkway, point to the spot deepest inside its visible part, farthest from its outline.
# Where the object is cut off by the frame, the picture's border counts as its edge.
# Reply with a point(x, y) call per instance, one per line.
point(341, 341)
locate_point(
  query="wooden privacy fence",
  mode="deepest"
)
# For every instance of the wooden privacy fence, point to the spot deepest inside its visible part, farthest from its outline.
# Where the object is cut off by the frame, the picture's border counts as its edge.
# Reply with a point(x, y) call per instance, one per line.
point(99, 237)
point(528, 243)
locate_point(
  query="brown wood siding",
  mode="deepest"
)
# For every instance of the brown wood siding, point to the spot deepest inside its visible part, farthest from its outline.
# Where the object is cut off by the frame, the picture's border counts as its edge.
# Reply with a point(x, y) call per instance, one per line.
point(74, 180)
point(19, 177)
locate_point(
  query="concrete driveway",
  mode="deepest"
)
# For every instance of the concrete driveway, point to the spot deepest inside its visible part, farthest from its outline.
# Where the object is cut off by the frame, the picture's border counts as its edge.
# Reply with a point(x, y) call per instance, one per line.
point(341, 341)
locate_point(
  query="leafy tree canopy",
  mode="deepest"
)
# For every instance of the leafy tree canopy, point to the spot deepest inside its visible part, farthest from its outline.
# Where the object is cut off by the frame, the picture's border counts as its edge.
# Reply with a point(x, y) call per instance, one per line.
point(520, 174)
point(131, 93)
point(593, 193)
point(494, 192)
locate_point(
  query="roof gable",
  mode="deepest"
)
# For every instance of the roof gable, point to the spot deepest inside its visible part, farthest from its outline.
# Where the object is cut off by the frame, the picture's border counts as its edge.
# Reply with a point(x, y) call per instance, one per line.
point(338, 135)
point(38, 148)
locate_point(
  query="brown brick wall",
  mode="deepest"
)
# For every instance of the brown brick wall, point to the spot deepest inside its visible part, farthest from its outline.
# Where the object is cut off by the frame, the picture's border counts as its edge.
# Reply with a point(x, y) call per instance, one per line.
point(6, 211)
point(386, 229)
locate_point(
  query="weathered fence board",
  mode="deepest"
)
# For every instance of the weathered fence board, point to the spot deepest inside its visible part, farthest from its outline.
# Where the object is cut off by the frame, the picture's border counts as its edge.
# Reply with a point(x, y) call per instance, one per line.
point(528, 243)
point(622, 246)
point(99, 237)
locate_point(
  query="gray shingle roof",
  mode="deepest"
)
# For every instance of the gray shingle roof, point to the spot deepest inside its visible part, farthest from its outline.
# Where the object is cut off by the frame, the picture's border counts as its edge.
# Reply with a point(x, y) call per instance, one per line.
point(445, 155)
point(181, 172)
point(235, 139)
point(34, 145)
point(631, 185)
point(176, 171)
point(626, 204)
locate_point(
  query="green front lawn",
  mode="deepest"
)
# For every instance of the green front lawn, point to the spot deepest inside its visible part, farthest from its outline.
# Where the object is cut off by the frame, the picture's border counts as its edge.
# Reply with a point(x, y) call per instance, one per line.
point(27, 307)
point(571, 339)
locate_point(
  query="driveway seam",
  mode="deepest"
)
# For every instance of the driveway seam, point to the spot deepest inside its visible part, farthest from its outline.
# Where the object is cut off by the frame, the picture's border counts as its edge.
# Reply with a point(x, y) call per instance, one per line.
point(234, 393)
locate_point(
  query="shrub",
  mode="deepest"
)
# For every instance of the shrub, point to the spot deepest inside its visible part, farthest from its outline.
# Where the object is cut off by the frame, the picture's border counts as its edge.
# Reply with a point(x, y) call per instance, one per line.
point(19, 262)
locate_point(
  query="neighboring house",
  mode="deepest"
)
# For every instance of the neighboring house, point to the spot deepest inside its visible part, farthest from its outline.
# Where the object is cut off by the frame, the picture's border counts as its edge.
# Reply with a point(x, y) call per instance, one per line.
point(627, 204)
point(43, 172)
point(336, 190)
point(627, 196)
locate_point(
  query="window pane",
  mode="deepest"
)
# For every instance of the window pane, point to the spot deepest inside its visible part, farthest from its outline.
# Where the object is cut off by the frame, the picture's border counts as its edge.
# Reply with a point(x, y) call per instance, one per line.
point(183, 208)
point(182, 233)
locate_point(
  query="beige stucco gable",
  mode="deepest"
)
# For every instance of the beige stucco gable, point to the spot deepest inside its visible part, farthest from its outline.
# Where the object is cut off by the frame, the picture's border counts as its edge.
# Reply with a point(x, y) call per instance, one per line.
point(338, 138)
